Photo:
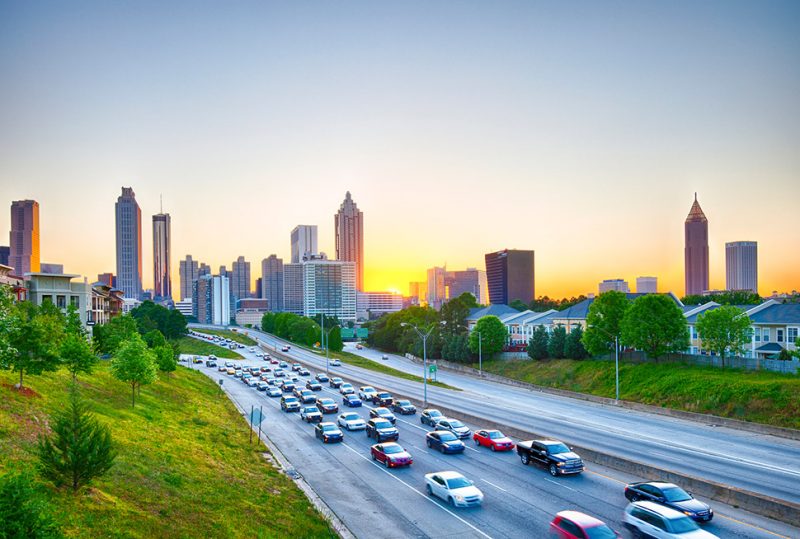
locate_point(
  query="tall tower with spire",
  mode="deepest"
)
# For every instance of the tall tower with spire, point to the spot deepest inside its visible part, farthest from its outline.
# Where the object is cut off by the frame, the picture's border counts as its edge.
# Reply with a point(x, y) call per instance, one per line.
point(696, 250)
point(349, 225)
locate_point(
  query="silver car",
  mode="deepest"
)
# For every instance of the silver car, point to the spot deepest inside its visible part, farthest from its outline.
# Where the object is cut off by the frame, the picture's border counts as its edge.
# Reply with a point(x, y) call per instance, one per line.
point(351, 421)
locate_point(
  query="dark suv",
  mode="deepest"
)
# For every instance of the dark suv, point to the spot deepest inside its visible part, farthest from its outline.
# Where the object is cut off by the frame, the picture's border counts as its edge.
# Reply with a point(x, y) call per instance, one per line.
point(671, 496)
point(382, 398)
point(382, 430)
point(551, 454)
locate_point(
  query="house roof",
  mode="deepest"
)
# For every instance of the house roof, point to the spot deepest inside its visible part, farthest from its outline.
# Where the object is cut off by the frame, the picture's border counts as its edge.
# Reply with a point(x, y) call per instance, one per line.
point(780, 313)
point(769, 347)
point(492, 310)
point(580, 310)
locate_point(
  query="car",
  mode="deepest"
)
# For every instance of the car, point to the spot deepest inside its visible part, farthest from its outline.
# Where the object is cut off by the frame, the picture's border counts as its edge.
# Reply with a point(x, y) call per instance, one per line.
point(310, 414)
point(262, 385)
point(455, 426)
point(222, 368)
point(351, 401)
point(296, 367)
point(391, 454)
point(274, 392)
point(283, 365)
point(273, 382)
point(551, 454)
point(351, 421)
point(287, 386)
point(366, 392)
point(290, 404)
point(403, 407)
point(384, 357)
point(382, 398)
point(252, 382)
point(359, 347)
point(328, 432)
point(669, 495)
point(381, 430)
point(284, 348)
point(453, 488)
point(648, 519)
point(346, 389)
point(313, 386)
point(273, 361)
point(211, 363)
point(493, 439)
point(335, 363)
point(238, 373)
point(279, 373)
point(197, 359)
point(266, 369)
point(307, 396)
point(231, 371)
point(336, 382)
point(321, 378)
point(444, 441)
point(252, 349)
point(577, 525)
point(304, 372)
point(430, 416)
point(212, 357)
point(327, 405)
point(229, 363)
point(383, 413)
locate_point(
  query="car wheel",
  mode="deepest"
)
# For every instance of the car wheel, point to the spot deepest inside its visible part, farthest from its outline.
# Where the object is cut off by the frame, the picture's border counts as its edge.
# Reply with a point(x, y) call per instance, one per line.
point(441, 448)
point(553, 470)
point(373, 456)
point(477, 442)
point(637, 533)
point(525, 458)
point(451, 501)
point(428, 490)
point(386, 463)
point(634, 498)
point(492, 447)
point(429, 443)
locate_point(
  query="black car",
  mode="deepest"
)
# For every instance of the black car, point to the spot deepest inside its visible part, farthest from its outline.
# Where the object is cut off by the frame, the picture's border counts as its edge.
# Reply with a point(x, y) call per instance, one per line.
point(310, 414)
point(444, 441)
point(307, 396)
point(670, 495)
point(211, 363)
point(383, 413)
point(404, 407)
point(336, 382)
point(288, 387)
point(328, 432)
point(290, 404)
point(327, 406)
point(313, 386)
point(551, 454)
point(382, 398)
point(382, 430)
point(430, 416)
point(321, 378)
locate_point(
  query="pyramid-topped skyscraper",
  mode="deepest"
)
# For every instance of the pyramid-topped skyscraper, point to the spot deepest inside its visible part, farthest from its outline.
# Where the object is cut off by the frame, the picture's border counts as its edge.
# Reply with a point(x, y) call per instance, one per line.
point(696, 250)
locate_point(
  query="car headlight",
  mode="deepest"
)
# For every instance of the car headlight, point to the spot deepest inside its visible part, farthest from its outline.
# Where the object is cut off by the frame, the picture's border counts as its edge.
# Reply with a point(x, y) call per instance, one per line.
point(459, 498)
point(560, 464)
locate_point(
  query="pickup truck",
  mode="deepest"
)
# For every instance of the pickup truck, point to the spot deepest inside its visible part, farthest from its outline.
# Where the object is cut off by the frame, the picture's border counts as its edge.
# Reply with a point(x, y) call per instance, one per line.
point(551, 454)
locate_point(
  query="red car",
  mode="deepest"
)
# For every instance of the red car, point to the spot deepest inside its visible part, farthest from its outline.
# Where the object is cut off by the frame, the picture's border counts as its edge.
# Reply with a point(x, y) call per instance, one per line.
point(391, 454)
point(576, 525)
point(493, 439)
point(274, 361)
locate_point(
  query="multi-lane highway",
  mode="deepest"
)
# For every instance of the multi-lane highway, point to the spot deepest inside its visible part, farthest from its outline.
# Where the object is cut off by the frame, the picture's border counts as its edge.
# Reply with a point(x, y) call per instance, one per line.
point(520, 501)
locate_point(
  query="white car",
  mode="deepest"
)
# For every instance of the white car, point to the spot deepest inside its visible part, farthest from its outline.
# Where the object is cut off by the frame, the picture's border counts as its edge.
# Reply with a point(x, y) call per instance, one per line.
point(453, 488)
point(650, 519)
point(365, 393)
point(335, 363)
point(351, 421)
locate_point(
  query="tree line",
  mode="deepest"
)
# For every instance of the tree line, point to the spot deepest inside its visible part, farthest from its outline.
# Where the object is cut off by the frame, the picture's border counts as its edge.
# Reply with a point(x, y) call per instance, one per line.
point(304, 330)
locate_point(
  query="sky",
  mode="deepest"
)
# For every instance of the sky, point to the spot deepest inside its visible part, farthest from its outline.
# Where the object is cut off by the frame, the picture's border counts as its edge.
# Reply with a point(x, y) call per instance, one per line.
point(580, 130)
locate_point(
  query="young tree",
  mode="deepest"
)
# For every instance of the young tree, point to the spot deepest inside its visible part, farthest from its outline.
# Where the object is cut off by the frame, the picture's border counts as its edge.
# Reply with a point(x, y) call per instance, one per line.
point(456, 348)
point(109, 336)
point(493, 336)
point(468, 300)
point(154, 338)
point(34, 342)
point(573, 348)
point(519, 305)
point(134, 363)
point(537, 346)
point(79, 448)
point(76, 353)
point(24, 509)
point(165, 358)
point(724, 330)
point(558, 341)
point(454, 315)
point(334, 339)
point(603, 321)
point(654, 324)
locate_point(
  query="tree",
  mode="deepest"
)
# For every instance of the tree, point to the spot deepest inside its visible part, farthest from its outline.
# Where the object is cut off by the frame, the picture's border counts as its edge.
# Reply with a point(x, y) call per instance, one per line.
point(724, 330)
point(456, 348)
point(573, 348)
point(730, 297)
point(558, 341)
point(537, 346)
point(334, 339)
point(79, 449)
point(135, 364)
point(468, 300)
point(76, 353)
point(454, 314)
point(34, 342)
point(24, 509)
point(519, 305)
point(165, 358)
point(654, 324)
point(8, 323)
point(109, 337)
point(493, 335)
point(603, 321)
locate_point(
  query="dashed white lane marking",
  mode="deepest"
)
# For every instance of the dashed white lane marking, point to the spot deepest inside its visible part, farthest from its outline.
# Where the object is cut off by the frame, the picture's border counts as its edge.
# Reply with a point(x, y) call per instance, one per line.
point(560, 484)
point(495, 486)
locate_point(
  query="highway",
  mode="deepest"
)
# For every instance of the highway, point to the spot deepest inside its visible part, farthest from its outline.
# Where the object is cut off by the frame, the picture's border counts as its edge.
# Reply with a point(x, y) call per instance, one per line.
point(520, 501)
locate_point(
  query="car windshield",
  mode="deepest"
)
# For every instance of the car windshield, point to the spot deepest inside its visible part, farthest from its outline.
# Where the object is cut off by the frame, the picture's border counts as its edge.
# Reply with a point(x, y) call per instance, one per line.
point(350, 417)
point(383, 425)
point(337, 379)
point(555, 449)
point(311, 409)
point(384, 395)
point(456, 423)
point(495, 435)
point(329, 428)
point(447, 437)
point(383, 412)
point(291, 399)
point(682, 525)
point(434, 413)
point(599, 532)
point(404, 403)
point(392, 449)
point(326, 402)
point(457, 482)
point(676, 494)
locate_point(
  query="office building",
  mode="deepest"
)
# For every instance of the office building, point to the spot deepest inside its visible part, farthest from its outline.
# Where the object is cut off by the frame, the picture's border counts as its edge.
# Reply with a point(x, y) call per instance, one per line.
point(620, 285)
point(223, 271)
point(329, 287)
point(470, 280)
point(5, 252)
point(107, 279)
point(272, 283)
point(349, 229)
point(162, 280)
point(211, 300)
point(510, 276)
point(293, 288)
point(741, 266)
point(647, 285)
point(189, 272)
point(240, 278)
point(204, 269)
point(23, 254)
point(696, 250)
point(436, 294)
point(371, 305)
point(129, 244)
point(304, 242)
point(259, 292)
point(47, 267)
point(417, 291)
point(250, 311)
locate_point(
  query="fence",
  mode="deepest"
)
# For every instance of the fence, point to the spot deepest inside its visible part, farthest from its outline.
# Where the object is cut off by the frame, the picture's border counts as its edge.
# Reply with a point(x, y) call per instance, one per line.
point(745, 363)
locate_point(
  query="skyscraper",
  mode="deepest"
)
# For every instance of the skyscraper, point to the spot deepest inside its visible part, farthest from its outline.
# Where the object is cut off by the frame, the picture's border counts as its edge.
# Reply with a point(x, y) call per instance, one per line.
point(647, 285)
point(162, 281)
point(696, 250)
point(470, 280)
point(272, 282)
point(349, 227)
point(189, 272)
point(510, 276)
point(24, 236)
point(211, 300)
point(619, 285)
point(129, 244)
point(293, 288)
point(240, 278)
point(436, 295)
point(329, 287)
point(304, 242)
point(741, 266)
point(5, 252)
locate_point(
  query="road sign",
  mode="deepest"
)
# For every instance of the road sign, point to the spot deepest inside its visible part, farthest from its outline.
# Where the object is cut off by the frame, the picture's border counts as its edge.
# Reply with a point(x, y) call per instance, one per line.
point(433, 369)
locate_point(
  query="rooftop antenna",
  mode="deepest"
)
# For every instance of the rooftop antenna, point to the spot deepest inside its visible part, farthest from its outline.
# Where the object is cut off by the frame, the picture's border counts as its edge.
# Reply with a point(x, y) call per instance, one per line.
point(695, 196)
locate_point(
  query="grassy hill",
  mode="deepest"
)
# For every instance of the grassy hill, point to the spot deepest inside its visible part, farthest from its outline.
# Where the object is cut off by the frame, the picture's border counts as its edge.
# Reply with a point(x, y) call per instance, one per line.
point(185, 467)
point(199, 347)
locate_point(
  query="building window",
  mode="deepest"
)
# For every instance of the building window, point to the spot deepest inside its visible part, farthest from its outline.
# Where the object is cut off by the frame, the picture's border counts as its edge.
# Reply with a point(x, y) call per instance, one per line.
point(61, 302)
point(73, 300)
point(792, 335)
point(47, 298)
point(765, 334)
point(694, 332)
point(779, 334)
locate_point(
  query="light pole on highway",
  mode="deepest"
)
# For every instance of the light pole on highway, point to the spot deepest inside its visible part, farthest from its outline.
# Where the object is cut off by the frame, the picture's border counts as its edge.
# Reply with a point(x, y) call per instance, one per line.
point(616, 357)
point(424, 337)
point(480, 353)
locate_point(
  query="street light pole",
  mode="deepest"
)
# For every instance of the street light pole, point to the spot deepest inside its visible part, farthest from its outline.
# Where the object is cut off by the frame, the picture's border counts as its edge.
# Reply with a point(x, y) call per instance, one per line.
point(616, 359)
point(424, 337)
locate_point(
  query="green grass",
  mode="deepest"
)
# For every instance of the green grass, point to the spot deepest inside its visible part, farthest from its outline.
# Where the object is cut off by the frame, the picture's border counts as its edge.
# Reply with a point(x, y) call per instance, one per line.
point(757, 396)
point(190, 345)
point(184, 466)
point(228, 334)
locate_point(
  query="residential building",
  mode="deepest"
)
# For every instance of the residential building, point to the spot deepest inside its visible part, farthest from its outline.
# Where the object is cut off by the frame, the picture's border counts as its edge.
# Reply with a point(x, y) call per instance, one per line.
point(349, 229)
point(106, 303)
point(510, 276)
point(15, 283)
point(62, 291)
point(470, 280)
point(129, 244)
point(223, 271)
point(24, 254)
point(162, 252)
point(304, 242)
point(436, 294)
point(371, 305)
point(204, 269)
point(498, 310)
point(185, 307)
point(46, 267)
point(293, 288)
point(329, 287)
point(620, 285)
point(251, 311)
point(211, 300)
point(240, 278)
point(696, 250)
point(107, 279)
point(272, 283)
point(5, 252)
point(647, 285)
point(741, 266)
point(189, 272)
